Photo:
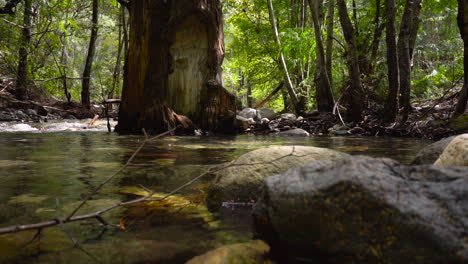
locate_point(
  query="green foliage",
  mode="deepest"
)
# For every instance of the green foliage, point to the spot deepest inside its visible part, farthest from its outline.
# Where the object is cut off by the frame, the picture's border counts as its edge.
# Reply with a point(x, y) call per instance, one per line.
point(60, 36)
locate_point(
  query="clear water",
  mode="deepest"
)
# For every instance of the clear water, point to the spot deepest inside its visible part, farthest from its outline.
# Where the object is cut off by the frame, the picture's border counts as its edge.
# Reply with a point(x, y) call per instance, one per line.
point(43, 175)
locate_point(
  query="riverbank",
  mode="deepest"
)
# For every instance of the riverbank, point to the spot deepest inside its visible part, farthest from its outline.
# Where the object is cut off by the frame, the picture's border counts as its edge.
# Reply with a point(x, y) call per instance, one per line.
point(429, 119)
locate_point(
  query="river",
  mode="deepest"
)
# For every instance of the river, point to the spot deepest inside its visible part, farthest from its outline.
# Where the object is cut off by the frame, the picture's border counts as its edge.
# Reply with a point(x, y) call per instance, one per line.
point(44, 174)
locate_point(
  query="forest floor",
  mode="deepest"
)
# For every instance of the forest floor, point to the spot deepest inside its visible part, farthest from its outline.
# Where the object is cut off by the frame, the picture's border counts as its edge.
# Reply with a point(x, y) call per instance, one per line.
point(429, 119)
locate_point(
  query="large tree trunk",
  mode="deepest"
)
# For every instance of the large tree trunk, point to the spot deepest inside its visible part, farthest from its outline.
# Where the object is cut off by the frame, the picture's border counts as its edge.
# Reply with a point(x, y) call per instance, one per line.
point(174, 64)
point(391, 104)
point(354, 94)
point(462, 20)
point(404, 53)
point(323, 94)
point(21, 90)
point(85, 94)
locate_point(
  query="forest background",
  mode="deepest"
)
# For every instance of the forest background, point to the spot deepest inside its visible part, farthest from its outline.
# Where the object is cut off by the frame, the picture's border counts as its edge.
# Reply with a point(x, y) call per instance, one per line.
point(53, 42)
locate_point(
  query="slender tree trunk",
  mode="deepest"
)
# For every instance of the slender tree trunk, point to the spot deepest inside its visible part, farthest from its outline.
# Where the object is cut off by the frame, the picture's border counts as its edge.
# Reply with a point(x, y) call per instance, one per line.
point(404, 55)
point(391, 104)
point(63, 67)
point(289, 84)
point(85, 90)
point(118, 62)
point(323, 94)
point(462, 20)
point(329, 52)
point(353, 95)
point(22, 74)
point(378, 29)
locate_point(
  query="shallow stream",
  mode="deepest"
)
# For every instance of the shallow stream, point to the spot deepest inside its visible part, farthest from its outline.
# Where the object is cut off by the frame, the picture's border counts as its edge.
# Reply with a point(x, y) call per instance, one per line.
point(45, 174)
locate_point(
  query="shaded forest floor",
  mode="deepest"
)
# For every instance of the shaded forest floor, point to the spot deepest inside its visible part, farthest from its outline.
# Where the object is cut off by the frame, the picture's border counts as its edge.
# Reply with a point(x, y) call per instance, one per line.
point(431, 119)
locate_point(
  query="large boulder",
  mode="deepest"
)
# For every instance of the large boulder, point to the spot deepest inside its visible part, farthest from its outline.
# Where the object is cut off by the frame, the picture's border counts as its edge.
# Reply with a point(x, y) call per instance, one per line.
point(430, 153)
point(456, 153)
point(367, 210)
point(253, 252)
point(241, 180)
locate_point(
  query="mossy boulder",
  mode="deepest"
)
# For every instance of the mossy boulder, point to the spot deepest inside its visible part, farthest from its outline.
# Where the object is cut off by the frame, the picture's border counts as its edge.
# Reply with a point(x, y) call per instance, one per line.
point(456, 153)
point(242, 253)
point(242, 179)
point(366, 210)
point(430, 153)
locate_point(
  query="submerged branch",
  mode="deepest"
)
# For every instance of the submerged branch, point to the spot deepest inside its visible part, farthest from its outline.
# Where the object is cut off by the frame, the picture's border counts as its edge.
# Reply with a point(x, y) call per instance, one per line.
point(147, 198)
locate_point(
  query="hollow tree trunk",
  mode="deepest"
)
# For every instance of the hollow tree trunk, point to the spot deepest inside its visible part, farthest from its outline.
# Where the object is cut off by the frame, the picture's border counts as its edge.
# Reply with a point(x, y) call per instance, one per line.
point(85, 94)
point(353, 96)
point(391, 104)
point(323, 94)
point(462, 20)
point(21, 90)
point(174, 64)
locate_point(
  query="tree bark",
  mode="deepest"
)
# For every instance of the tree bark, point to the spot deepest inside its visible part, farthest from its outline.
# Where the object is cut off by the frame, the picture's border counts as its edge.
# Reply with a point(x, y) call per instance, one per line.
point(391, 104)
point(353, 96)
point(289, 84)
point(404, 55)
point(22, 80)
point(323, 93)
point(174, 65)
point(85, 90)
point(462, 20)
point(329, 51)
point(378, 29)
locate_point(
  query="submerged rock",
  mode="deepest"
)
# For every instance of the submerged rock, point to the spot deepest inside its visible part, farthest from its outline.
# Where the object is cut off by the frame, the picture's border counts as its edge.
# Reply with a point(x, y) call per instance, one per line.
point(431, 153)
point(251, 252)
point(456, 153)
point(242, 179)
point(366, 210)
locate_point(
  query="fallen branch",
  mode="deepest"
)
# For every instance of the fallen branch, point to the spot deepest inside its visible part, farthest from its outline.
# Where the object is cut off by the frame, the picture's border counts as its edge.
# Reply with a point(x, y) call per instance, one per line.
point(98, 215)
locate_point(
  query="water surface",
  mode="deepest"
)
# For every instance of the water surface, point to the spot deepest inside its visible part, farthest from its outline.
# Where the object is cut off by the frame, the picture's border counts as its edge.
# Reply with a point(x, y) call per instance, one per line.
point(44, 175)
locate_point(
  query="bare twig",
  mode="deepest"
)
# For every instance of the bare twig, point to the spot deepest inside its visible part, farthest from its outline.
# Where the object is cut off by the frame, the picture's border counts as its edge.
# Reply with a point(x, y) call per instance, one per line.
point(129, 161)
point(147, 198)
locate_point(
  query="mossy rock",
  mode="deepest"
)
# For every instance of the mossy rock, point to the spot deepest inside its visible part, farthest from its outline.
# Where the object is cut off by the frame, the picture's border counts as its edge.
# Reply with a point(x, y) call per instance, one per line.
point(242, 253)
point(456, 153)
point(459, 123)
point(242, 179)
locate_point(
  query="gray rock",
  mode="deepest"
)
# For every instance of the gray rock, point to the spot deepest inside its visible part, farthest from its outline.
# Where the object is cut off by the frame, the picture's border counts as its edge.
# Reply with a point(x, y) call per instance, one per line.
point(248, 113)
point(265, 120)
point(430, 153)
point(366, 210)
point(456, 153)
point(266, 113)
point(242, 179)
point(31, 112)
point(295, 132)
point(289, 116)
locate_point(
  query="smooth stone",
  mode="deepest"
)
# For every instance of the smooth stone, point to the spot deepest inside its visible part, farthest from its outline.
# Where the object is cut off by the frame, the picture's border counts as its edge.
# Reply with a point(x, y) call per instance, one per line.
point(456, 153)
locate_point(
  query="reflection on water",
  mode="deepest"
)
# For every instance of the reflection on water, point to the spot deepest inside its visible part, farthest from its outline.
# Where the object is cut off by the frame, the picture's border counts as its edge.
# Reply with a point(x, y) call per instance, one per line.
point(39, 169)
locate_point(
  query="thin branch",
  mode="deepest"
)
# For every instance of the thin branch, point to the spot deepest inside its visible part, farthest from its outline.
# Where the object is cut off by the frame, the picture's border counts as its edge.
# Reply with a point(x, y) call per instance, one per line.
point(12, 23)
point(147, 198)
point(129, 161)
